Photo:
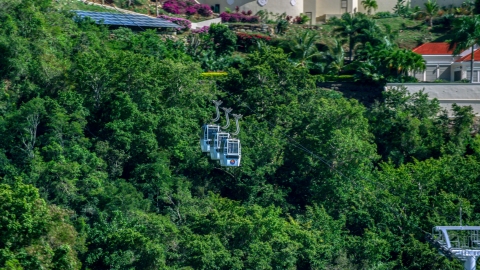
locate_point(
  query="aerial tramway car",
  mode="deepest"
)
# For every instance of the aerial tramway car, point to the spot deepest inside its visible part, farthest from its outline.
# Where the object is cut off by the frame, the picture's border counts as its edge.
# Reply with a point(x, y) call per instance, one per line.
point(208, 134)
point(219, 143)
point(215, 151)
point(231, 153)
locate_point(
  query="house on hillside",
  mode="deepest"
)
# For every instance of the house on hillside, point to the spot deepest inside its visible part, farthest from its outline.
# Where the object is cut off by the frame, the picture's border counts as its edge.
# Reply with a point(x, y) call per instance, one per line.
point(318, 10)
point(441, 64)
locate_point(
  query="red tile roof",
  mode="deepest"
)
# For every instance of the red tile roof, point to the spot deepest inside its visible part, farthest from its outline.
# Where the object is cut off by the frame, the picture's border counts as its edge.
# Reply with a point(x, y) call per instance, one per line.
point(468, 57)
point(440, 48)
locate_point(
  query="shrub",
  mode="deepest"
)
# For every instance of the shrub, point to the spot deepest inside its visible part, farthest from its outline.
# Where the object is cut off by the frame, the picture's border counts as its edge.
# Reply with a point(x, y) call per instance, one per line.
point(174, 7)
point(204, 10)
point(384, 14)
point(441, 81)
point(282, 26)
point(224, 39)
point(301, 19)
point(238, 17)
point(245, 40)
point(190, 11)
point(188, 7)
point(203, 30)
point(183, 23)
point(253, 19)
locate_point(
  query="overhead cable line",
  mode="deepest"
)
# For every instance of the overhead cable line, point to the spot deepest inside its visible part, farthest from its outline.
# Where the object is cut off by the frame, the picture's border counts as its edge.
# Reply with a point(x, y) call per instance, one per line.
point(298, 145)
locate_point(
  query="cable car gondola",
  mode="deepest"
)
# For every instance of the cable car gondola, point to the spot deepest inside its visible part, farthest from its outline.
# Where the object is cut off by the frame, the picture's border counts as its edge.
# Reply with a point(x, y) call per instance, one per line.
point(208, 134)
point(231, 153)
point(216, 144)
point(209, 131)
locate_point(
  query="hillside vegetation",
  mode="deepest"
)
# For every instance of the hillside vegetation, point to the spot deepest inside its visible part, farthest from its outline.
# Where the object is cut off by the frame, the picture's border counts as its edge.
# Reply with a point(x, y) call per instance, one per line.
point(101, 168)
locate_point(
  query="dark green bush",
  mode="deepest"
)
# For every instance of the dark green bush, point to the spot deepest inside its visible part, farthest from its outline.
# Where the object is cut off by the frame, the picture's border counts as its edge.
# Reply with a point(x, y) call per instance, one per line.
point(384, 14)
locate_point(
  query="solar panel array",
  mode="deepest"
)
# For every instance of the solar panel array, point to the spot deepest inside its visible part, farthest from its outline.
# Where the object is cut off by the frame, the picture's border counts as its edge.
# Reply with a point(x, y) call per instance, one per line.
point(125, 19)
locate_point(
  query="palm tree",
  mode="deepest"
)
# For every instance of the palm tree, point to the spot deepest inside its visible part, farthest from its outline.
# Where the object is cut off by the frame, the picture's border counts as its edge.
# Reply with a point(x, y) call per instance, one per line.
point(403, 61)
point(467, 35)
point(334, 57)
point(303, 46)
point(348, 27)
point(369, 32)
point(431, 10)
point(369, 5)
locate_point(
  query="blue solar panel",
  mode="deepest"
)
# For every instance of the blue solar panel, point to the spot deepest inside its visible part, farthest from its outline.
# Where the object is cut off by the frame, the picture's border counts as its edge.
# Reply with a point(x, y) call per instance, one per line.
point(126, 19)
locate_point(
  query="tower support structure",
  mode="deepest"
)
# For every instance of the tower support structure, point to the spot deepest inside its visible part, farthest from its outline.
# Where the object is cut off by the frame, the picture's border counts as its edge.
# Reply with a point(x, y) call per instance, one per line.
point(460, 242)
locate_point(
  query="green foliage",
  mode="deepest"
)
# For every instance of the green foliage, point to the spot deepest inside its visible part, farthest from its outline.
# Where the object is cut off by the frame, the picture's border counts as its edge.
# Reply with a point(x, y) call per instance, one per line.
point(100, 165)
point(402, 8)
point(467, 35)
point(302, 44)
point(224, 39)
point(370, 5)
point(136, 240)
point(431, 10)
point(426, 130)
point(34, 235)
point(333, 59)
point(281, 27)
point(129, 3)
point(384, 14)
point(379, 64)
point(302, 19)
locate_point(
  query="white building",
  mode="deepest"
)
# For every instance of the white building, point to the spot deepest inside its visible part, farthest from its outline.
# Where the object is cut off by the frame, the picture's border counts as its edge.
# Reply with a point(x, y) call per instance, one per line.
point(441, 3)
point(441, 64)
point(317, 9)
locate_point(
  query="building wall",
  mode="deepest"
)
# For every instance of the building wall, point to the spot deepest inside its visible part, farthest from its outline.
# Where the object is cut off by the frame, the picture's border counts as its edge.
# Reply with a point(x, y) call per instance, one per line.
point(333, 7)
point(313, 7)
point(441, 3)
point(275, 6)
point(383, 5)
point(318, 8)
point(463, 94)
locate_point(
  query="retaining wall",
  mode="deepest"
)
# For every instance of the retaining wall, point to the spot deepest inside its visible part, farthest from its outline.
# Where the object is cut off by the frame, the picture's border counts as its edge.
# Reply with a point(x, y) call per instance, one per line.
point(464, 94)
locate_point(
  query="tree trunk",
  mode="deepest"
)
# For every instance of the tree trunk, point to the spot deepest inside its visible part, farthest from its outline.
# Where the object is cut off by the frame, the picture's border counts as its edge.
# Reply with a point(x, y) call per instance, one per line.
point(471, 65)
point(430, 20)
point(350, 52)
point(156, 6)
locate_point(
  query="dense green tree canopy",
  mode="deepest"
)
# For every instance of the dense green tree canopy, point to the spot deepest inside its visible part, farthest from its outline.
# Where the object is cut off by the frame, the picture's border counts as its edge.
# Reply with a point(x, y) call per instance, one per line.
point(100, 165)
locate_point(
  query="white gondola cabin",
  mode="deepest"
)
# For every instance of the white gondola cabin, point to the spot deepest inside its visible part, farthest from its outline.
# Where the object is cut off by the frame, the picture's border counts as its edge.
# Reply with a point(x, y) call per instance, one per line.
point(208, 134)
point(217, 142)
point(231, 153)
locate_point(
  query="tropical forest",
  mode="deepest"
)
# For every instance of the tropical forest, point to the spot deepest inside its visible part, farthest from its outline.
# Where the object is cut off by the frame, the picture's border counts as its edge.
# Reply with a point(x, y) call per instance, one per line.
point(101, 165)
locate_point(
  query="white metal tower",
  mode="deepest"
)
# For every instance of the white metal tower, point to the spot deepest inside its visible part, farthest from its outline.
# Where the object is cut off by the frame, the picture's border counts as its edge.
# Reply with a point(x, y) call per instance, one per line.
point(461, 242)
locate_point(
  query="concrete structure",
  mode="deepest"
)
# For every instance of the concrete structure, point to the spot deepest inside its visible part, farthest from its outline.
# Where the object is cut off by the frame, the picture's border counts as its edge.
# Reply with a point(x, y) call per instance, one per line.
point(460, 242)
point(443, 65)
point(318, 10)
point(441, 3)
point(464, 94)
point(205, 23)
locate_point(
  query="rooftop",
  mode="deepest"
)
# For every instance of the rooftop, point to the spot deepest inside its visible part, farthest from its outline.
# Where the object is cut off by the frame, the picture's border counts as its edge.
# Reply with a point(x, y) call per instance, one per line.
point(434, 48)
point(468, 57)
point(130, 20)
